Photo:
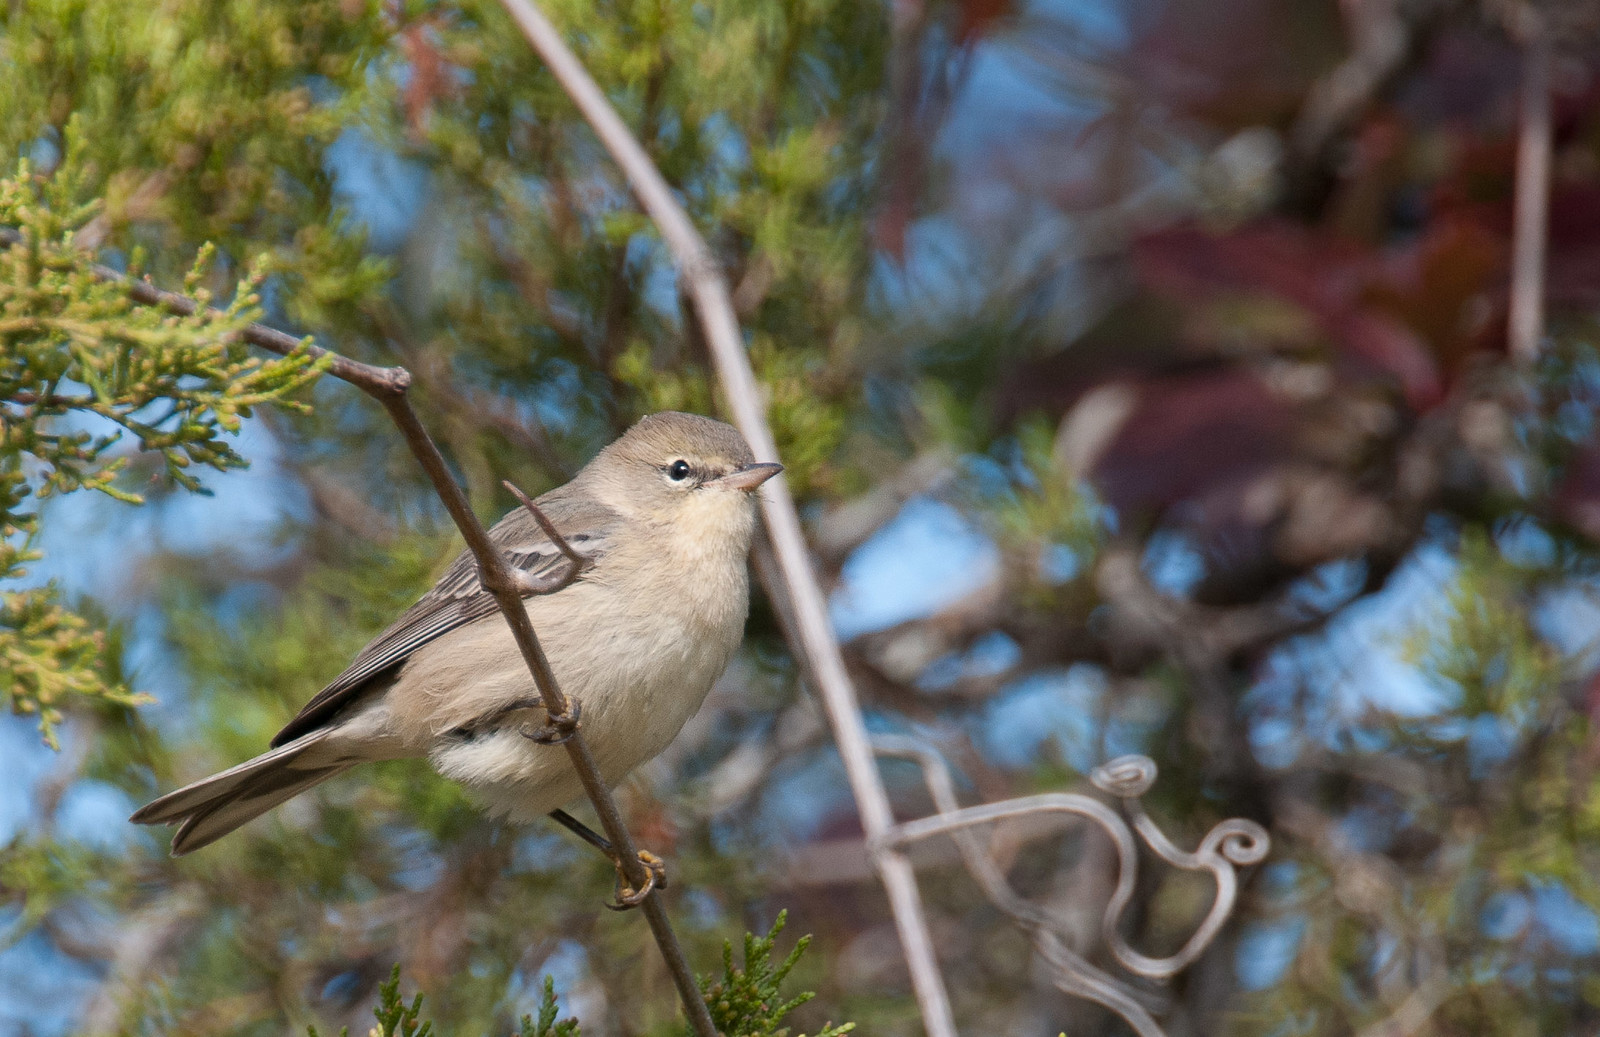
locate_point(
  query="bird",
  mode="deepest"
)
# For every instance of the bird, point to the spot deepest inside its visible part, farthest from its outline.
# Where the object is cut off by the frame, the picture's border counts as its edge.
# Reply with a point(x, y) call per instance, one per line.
point(662, 518)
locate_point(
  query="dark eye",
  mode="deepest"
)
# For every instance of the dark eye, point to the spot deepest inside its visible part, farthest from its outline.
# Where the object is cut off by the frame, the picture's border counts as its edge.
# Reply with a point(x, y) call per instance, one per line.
point(678, 471)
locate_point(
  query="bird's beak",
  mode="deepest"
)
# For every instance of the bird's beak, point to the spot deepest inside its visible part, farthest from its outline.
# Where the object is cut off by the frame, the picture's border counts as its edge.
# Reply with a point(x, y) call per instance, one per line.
point(748, 477)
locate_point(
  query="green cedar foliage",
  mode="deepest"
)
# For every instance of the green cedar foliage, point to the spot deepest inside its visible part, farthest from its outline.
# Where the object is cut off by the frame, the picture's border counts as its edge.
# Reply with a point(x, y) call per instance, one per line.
point(170, 129)
point(747, 1001)
point(547, 1024)
point(74, 348)
point(744, 1001)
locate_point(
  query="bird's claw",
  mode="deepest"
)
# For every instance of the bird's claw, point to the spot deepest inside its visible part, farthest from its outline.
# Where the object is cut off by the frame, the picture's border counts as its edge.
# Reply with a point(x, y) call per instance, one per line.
point(655, 877)
point(558, 727)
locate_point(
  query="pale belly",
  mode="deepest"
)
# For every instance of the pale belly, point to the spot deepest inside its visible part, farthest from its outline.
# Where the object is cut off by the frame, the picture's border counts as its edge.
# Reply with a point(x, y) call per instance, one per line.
point(638, 679)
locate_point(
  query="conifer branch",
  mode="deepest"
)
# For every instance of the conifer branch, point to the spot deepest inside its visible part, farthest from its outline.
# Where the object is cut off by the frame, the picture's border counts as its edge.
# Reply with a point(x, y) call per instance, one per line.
point(375, 381)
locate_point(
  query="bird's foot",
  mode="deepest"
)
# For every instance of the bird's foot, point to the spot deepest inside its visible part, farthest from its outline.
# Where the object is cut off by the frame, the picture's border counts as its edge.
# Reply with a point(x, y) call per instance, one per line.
point(628, 898)
point(558, 727)
point(655, 877)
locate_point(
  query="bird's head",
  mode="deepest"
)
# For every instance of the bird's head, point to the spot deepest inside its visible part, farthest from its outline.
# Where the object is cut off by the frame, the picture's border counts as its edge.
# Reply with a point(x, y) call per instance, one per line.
point(691, 473)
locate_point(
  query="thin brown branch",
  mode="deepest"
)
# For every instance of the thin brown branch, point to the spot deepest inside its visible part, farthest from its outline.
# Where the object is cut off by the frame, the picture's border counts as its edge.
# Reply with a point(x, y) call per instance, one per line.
point(30, 399)
point(333, 498)
point(388, 386)
point(375, 381)
point(1417, 1009)
point(846, 527)
point(813, 634)
point(532, 287)
point(339, 503)
point(579, 562)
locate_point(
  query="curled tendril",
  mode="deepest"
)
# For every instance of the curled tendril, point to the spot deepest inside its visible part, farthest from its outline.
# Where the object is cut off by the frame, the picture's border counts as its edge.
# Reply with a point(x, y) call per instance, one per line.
point(1240, 842)
point(1230, 844)
point(1125, 777)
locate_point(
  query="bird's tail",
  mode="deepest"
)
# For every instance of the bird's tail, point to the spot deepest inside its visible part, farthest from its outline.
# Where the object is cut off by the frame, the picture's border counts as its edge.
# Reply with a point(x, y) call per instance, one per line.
point(212, 807)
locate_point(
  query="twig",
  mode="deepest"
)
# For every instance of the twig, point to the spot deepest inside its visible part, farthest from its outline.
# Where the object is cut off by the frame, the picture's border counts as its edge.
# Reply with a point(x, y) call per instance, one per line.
point(378, 382)
point(1531, 207)
point(1073, 973)
point(714, 307)
point(579, 562)
point(581, 830)
point(520, 430)
point(388, 386)
point(138, 944)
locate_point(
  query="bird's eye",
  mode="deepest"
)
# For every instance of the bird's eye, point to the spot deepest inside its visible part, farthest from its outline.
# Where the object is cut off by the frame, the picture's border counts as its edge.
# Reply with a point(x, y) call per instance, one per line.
point(678, 471)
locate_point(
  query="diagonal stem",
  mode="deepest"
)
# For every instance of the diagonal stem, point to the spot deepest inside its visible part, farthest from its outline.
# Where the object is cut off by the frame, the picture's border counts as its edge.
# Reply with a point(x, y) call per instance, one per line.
point(811, 631)
point(578, 562)
point(498, 579)
point(374, 381)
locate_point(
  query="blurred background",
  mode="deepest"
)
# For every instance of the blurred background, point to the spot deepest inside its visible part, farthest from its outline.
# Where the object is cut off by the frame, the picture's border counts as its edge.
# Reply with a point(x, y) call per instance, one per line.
point(1142, 369)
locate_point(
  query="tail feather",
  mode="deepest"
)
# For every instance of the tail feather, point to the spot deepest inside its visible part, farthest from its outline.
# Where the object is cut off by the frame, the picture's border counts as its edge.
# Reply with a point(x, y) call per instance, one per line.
point(215, 820)
point(212, 807)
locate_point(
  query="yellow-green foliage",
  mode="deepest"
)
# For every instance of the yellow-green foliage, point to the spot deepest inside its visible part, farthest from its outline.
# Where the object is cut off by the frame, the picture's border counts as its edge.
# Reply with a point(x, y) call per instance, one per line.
point(74, 348)
point(196, 123)
point(741, 105)
point(745, 1001)
point(201, 117)
point(1481, 641)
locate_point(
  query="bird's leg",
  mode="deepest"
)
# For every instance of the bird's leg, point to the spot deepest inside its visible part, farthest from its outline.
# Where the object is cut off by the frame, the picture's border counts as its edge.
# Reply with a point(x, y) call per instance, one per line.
point(583, 831)
point(558, 727)
point(627, 897)
point(497, 714)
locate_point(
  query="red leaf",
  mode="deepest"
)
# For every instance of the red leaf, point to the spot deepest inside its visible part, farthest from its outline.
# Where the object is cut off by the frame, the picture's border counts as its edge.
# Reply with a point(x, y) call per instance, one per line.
point(1187, 434)
point(1447, 286)
point(1325, 276)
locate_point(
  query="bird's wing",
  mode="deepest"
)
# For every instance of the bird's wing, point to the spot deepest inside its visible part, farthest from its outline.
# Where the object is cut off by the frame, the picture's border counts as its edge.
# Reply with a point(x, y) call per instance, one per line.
point(458, 598)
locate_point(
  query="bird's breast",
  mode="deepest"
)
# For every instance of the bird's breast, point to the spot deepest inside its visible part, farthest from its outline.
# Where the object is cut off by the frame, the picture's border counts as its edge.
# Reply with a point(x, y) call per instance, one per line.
point(638, 642)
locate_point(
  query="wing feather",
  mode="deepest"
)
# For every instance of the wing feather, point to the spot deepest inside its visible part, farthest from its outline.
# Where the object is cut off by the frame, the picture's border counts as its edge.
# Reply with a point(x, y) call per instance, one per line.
point(459, 598)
